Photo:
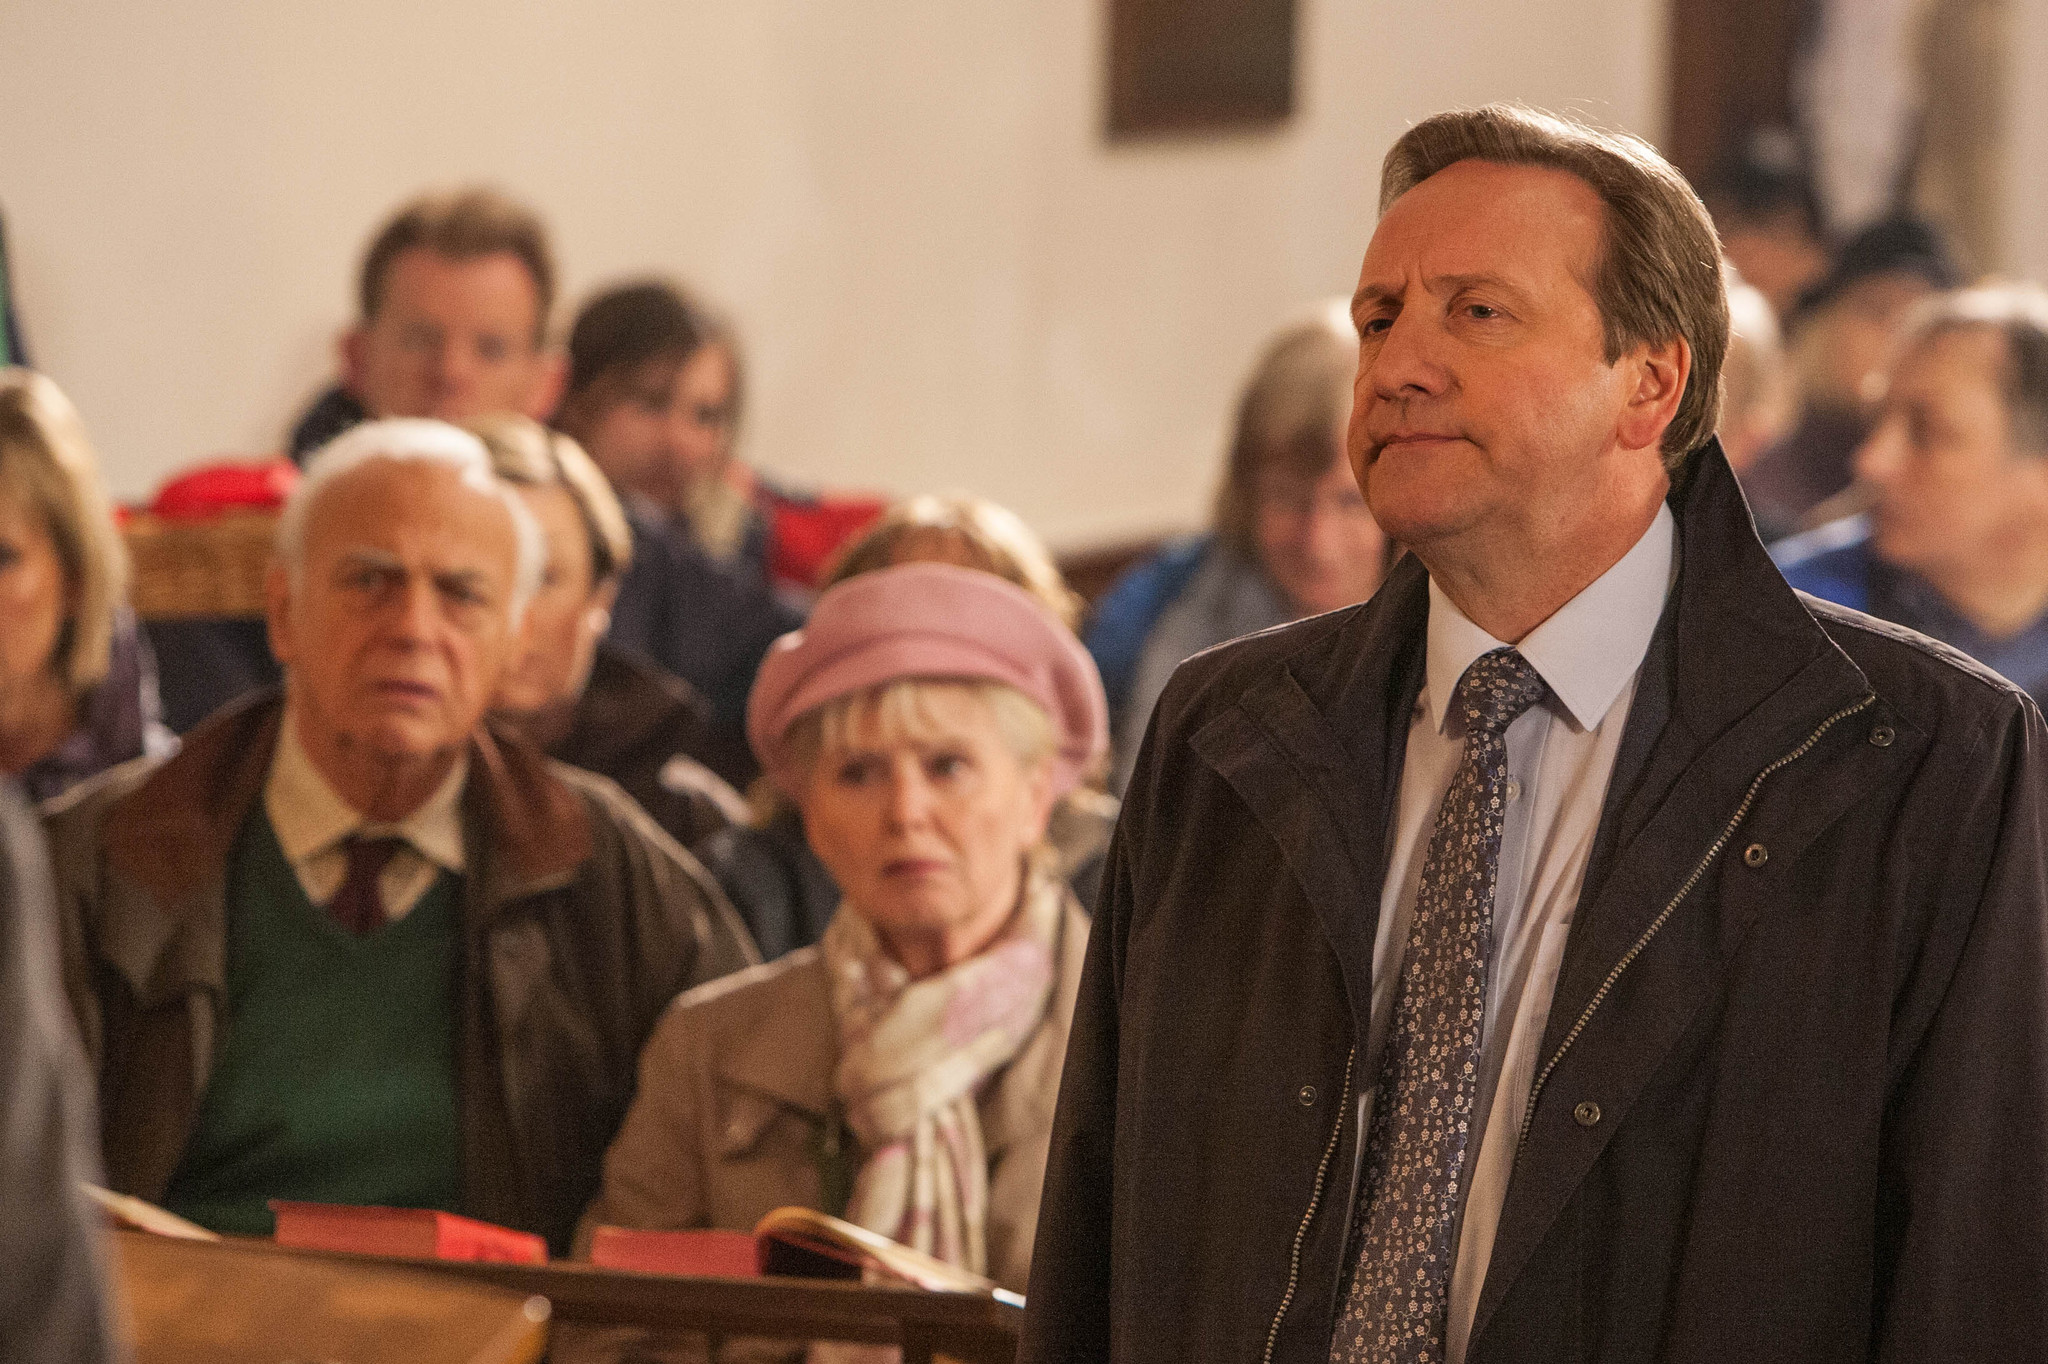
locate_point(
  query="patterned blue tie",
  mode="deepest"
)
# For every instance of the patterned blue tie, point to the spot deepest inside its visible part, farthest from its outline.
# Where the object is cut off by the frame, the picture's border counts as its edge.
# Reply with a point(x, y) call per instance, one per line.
point(1422, 1110)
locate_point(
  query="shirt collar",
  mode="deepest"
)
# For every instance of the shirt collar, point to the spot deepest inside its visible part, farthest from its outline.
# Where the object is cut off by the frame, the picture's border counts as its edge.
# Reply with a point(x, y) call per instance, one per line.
point(1588, 649)
point(309, 816)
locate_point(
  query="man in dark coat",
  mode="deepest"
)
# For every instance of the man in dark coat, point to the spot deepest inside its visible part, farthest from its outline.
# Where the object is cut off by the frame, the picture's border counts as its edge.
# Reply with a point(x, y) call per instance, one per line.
point(1772, 1076)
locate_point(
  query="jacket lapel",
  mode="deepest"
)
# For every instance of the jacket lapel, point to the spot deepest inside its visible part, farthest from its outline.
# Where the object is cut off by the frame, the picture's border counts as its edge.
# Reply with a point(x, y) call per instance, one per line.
point(167, 843)
point(1752, 676)
point(1315, 753)
point(791, 1063)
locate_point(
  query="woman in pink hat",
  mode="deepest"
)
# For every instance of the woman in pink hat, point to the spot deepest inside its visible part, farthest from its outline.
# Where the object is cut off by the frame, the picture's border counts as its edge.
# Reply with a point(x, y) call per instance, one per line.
point(902, 1072)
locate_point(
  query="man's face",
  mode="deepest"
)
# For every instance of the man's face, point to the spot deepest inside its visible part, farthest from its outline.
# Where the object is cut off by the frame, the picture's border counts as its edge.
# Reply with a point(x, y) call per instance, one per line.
point(397, 629)
point(1951, 488)
point(1485, 410)
point(453, 338)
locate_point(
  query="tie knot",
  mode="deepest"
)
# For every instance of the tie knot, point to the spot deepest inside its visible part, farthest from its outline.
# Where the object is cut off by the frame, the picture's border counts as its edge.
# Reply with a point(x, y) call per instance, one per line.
point(1495, 690)
point(367, 855)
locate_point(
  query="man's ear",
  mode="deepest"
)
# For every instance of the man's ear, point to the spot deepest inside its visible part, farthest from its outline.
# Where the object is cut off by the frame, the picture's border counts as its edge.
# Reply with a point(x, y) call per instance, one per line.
point(277, 610)
point(1660, 373)
point(551, 373)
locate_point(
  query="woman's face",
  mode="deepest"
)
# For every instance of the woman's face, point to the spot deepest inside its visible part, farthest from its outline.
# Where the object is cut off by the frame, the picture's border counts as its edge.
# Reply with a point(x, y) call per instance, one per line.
point(33, 596)
point(670, 430)
point(567, 616)
point(1317, 539)
point(927, 836)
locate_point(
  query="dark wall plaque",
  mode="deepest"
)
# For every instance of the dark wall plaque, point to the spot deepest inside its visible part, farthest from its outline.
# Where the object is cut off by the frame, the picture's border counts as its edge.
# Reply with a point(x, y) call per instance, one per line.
point(1181, 66)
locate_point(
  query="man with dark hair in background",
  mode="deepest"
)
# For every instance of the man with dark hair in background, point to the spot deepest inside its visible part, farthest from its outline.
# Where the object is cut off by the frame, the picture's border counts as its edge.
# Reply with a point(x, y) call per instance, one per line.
point(453, 303)
point(1588, 948)
point(1956, 541)
point(1838, 336)
point(453, 299)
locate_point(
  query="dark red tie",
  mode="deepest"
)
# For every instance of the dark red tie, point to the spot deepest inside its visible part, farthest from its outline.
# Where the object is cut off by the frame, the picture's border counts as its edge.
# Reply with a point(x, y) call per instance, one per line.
point(359, 905)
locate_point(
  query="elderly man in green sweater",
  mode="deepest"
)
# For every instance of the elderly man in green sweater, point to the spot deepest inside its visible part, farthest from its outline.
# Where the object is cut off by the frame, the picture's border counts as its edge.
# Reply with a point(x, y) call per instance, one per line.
point(350, 944)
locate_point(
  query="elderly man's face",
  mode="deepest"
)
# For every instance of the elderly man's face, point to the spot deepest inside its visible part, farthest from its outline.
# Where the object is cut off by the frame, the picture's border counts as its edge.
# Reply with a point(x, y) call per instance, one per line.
point(453, 338)
point(1952, 490)
point(397, 630)
point(1485, 406)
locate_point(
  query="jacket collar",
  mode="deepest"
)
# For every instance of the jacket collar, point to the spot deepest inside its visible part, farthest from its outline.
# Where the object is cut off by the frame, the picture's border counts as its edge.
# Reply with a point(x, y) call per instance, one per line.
point(627, 705)
point(171, 836)
point(791, 1064)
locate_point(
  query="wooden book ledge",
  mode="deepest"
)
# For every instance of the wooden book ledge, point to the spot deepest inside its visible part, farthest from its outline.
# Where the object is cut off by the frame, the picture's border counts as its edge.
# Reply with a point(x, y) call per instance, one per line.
point(236, 1301)
point(246, 1302)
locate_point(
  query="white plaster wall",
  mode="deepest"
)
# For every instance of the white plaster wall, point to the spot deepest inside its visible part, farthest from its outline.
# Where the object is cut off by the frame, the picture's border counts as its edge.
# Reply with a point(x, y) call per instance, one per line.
point(2026, 232)
point(942, 274)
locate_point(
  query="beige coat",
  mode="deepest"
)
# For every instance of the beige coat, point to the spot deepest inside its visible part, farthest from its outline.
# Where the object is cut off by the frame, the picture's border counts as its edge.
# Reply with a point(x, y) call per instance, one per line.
point(735, 1108)
point(735, 1105)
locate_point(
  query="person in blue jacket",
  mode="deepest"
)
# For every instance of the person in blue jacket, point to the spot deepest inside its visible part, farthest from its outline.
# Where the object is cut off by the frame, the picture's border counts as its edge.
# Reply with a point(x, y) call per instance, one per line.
point(1291, 535)
point(1955, 544)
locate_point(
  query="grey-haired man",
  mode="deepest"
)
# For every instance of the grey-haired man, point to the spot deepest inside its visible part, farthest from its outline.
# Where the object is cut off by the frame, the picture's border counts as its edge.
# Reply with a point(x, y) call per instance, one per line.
point(349, 945)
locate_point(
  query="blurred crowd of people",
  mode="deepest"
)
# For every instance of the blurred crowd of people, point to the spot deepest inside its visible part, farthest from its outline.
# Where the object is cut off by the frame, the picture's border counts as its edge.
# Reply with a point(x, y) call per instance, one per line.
point(844, 775)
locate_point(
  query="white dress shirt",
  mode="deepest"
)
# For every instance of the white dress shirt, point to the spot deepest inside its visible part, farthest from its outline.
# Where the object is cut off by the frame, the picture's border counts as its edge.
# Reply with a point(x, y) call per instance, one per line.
point(1560, 754)
point(311, 820)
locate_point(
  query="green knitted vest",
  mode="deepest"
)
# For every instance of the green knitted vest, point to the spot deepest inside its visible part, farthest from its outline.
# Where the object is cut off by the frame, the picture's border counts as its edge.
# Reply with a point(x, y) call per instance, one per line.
point(335, 1081)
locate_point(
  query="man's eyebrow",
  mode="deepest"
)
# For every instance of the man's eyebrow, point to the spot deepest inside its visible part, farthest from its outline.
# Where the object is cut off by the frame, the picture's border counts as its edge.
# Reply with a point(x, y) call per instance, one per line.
point(468, 579)
point(1369, 294)
point(370, 558)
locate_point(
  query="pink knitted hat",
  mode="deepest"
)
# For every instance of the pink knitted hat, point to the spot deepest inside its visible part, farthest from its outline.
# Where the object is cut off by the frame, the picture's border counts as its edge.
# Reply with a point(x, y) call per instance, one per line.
point(930, 620)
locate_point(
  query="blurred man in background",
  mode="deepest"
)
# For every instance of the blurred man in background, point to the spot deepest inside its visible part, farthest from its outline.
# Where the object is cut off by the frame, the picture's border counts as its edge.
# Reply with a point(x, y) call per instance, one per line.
point(1840, 336)
point(1768, 217)
point(454, 299)
point(1956, 542)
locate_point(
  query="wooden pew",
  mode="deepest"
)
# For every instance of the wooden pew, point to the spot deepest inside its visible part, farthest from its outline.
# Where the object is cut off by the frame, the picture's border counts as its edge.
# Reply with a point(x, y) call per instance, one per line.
point(270, 1285)
point(247, 1302)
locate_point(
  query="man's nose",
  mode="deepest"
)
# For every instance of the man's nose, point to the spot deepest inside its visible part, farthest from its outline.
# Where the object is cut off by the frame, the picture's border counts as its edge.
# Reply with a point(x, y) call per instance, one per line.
point(455, 366)
point(415, 612)
point(1402, 361)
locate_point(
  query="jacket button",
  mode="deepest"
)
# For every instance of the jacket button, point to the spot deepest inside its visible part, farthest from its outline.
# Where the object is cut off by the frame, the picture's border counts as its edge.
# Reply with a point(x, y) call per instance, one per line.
point(1306, 1096)
point(1882, 736)
point(1756, 854)
point(1586, 1114)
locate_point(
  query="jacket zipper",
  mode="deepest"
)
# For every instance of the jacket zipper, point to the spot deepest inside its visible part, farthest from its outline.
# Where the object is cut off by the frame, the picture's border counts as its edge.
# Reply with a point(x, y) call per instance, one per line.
point(1628, 957)
point(1315, 1200)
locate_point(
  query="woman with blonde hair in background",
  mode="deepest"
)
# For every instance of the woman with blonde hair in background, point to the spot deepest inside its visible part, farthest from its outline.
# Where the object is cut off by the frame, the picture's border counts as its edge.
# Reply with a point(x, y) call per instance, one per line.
point(77, 684)
point(902, 1073)
point(767, 868)
point(1291, 535)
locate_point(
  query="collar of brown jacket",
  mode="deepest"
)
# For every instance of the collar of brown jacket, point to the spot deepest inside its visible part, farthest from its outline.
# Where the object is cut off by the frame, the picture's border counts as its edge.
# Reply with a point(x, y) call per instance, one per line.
point(172, 834)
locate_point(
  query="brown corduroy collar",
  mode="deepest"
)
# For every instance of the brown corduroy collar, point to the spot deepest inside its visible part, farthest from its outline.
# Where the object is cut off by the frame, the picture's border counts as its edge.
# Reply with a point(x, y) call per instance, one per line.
point(173, 833)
